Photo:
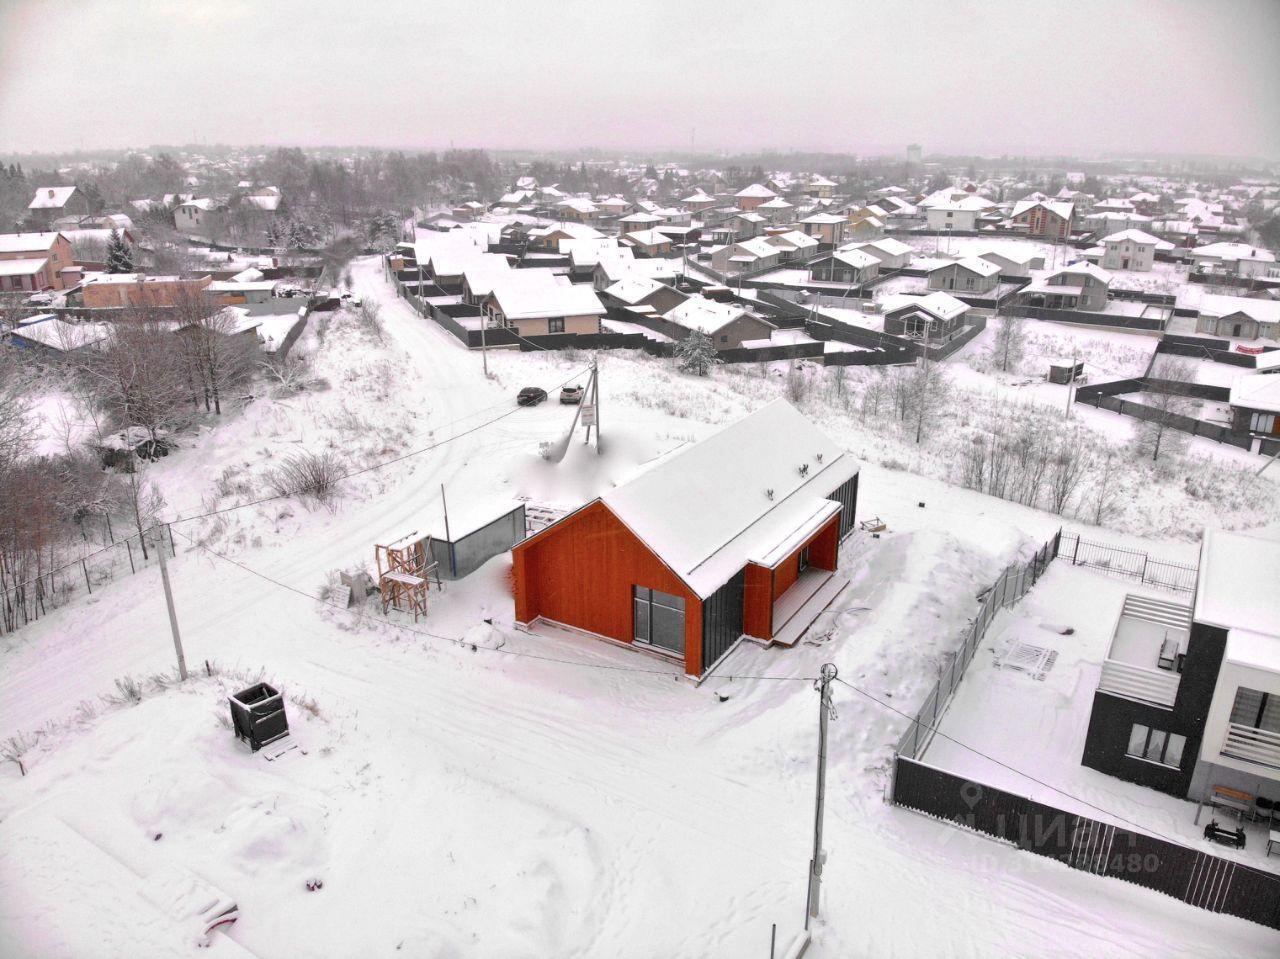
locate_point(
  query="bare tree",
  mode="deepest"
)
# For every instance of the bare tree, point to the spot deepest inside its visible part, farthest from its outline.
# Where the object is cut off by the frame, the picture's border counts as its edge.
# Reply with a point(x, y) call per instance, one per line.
point(1010, 343)
point(874, 393)
point(1168, 404)
point(927, 391)
point(17, 432)
point(1106, 486)
point(1068, 465)
point(220, 356)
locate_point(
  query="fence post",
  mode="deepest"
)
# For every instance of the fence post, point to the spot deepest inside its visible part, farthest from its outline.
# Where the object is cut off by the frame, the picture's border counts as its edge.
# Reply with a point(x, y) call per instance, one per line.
point(1144, 568)
point(132, 568)
point(88, 585)
point(1076, 551)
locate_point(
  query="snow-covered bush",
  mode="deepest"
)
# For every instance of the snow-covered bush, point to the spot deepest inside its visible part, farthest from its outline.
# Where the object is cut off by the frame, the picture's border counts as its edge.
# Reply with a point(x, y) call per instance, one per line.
point(309, 476)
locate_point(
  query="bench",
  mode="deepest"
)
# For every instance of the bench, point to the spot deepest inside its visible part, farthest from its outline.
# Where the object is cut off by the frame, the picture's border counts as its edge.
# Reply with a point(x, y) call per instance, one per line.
point(1224, 837)
point(1223, 797)
point(873, 525)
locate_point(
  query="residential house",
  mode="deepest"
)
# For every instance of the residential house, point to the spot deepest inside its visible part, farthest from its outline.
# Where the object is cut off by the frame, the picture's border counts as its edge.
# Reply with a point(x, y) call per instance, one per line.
point(578, 210)
point(480, 274)
point(756, 253)
point(34, 261)
point(230, 293)
point(699, 201)
point(1108, 222)
point(614, 206)
point(649, 242)
point(728, 325)
point(537, 303)
point(820, 187)
point(793, 244)
point(973, 275)
point(202, 217)
point(736, 535)
point(641, 294)
point(934, 317)
point(549, 238)
point(1235, 259)
point(1050, 219)
point(1239, 317)
point(753, 196)
point(960, 215)
point(116, 290)
point(852, 266)
point(1080, 286)
point(1132, 250)
point(892, 254)
point(1188, 697)
point(1255, 405)
point(1015, 262)
point(827, 227)
point(638, 221)
point(776, 210)
point(746, 225)
point(51, 202)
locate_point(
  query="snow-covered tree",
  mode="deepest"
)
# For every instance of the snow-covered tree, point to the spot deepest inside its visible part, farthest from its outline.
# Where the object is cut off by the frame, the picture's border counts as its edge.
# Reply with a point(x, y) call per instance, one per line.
point(119, 256)
point(696, 353)
point(1010, 343)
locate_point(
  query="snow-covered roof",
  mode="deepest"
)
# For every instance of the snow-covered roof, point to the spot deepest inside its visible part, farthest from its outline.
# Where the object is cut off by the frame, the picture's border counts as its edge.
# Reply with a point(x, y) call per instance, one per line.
point(633, 289)
point(533, 294)
point(51, 198)
point(706, 316)
point(483, 271)
point(706, 509)
point(24, 266)
point(1237, 583)
point(59, 335)
point(27, 242)
point(648, 237)
point(942, 305)
point(236, 286)
point(1060, 208)
point(250, 275)
point(974, 264)
point(268, 203)
point(1230, 252)
point(824, 218)
point(888, 246)
point(757, 247)
point(1269, 360)
point(1137, 236)
point(1218, 304)
point(1257, 391)
point(578, 205)
point(756, 189)
point(699, 197)
point(1010, 255)
point(856, 258)
point(1084, 269)
point(777, 203)
point(794, 239)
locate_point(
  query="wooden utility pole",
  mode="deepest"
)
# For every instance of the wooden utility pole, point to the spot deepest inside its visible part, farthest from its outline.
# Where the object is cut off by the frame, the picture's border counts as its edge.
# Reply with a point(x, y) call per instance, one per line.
point(825, 711)
point(173, 613)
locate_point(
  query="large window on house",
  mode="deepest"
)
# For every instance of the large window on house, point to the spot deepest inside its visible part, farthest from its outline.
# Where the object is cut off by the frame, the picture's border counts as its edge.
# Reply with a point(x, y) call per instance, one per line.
point(1262, 422)
point(659, 618)
point(1256, 709)
point(1156, 745)
point(555, 325)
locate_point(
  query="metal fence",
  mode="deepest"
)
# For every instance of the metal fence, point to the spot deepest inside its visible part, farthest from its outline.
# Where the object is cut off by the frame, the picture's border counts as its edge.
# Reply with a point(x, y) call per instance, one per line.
point(1005, 591)
point(1129, 563)
point(95, 565)
point(1197, 878)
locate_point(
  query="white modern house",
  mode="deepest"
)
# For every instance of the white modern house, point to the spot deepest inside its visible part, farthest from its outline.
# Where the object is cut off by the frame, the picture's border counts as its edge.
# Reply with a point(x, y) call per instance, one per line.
point(1132, 250)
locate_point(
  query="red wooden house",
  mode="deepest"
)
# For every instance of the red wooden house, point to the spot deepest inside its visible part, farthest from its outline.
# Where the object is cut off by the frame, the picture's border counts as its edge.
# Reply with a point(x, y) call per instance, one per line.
point(734, 536)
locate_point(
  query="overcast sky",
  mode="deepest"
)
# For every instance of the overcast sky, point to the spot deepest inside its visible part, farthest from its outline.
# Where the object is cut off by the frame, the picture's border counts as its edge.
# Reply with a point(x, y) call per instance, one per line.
point(853, 76)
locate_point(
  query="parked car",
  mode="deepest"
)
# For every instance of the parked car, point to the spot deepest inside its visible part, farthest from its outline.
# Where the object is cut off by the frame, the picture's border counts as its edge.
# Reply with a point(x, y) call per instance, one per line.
point(571, 394)
point(40, 299)
point(531, 396)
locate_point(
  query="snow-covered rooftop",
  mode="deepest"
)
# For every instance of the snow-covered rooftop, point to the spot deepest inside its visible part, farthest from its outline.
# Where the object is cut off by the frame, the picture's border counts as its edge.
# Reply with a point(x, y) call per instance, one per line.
point(27, 242)
point(22, 267)
point(51, 198)
point(706, 511)
point(532, 294)
point(704, 315)
point(1257, 391)
point(1237, 584)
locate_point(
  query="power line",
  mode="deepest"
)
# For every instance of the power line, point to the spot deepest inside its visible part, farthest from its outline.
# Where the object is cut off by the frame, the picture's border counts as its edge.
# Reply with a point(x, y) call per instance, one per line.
point(1039, 782)
point(458, 641)
point(375, 466)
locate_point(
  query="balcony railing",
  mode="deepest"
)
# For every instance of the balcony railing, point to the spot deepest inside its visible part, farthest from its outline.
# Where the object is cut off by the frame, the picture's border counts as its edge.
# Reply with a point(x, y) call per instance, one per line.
point(1261, 746)
point(1157, 686)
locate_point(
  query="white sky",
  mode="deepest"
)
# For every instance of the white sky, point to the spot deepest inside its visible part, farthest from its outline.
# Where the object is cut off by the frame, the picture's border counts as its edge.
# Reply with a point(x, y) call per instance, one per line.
point(858, 76)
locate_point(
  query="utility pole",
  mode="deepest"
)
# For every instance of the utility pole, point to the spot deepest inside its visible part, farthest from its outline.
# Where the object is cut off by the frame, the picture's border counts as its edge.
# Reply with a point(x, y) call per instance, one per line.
point(1071, 384)
point(173, 613)
point(484, 346)
point(825, 711)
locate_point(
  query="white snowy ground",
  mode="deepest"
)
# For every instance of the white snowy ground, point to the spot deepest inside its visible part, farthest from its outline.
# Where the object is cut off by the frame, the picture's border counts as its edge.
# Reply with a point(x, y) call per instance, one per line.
point(1039, 727)
point(489, 803)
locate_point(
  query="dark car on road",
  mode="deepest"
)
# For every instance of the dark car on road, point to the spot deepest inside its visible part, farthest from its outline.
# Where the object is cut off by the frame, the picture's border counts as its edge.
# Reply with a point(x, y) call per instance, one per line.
point(531, 396)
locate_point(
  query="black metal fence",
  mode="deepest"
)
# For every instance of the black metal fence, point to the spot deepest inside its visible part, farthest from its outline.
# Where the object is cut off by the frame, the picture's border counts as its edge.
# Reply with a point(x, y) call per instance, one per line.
point(1152, 323)
point(1129, 563)
point(1106, 396)
point(1005, 591)
point(1197, 878)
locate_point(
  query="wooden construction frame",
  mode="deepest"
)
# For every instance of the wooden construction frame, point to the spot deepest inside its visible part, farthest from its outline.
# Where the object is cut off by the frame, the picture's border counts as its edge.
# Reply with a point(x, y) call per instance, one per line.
point(405, 570)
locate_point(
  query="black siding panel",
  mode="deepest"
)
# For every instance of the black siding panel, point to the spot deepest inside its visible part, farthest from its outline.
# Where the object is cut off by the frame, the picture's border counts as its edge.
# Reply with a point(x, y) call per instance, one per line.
point(722, 619)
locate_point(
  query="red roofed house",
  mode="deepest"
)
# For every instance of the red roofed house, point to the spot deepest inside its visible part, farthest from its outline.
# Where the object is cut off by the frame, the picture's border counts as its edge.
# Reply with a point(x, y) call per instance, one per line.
point(1045, 218)
point(735, 536)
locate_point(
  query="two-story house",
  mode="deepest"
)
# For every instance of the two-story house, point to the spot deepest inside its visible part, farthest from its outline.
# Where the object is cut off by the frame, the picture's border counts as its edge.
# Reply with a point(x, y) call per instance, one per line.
point(33, 262)
point(1132, 250)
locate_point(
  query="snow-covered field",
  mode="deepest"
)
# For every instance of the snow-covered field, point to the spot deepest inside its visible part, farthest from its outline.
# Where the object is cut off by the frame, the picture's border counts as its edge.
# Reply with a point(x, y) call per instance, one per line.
point(464, 789)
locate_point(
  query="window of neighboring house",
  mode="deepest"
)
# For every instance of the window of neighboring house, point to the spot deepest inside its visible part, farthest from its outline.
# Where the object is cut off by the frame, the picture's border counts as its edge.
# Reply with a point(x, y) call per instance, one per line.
point(1155, 745)
point(724, 339)
point(968, 283)
point(1262, 422)
point(555, 325)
